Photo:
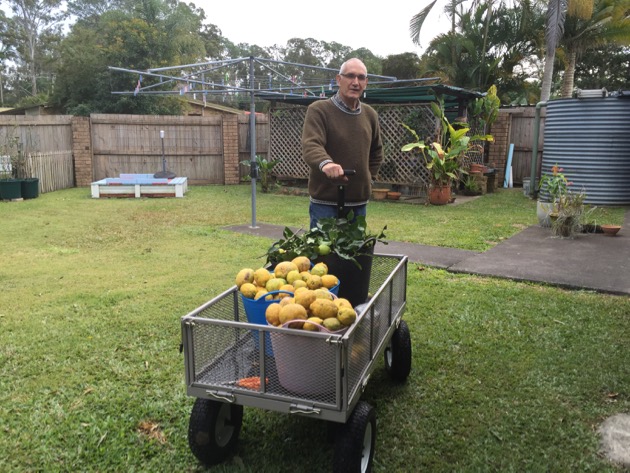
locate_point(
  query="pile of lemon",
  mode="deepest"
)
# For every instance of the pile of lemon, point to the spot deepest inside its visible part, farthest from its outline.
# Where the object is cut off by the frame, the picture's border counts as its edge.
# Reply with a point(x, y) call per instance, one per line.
point(304, 296)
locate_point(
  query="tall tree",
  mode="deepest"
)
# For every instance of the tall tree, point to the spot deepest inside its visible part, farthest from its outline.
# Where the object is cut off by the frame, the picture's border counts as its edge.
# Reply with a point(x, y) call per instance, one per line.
point(157, 33)
point(604, 66)
point(34, 20)
point(402, 66)
point(7, 50)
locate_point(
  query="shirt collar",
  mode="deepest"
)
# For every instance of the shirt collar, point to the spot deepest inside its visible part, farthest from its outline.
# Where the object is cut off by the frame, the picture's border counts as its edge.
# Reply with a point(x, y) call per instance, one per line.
point(336, 99)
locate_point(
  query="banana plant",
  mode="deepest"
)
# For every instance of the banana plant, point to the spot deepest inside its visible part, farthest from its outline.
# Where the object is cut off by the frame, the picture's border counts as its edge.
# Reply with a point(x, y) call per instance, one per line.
point(444, 156)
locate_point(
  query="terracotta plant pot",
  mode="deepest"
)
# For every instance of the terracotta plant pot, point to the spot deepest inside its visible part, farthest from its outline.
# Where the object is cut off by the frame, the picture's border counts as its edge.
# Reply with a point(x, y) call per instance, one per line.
point(391, 195)
point(440, 194)
point(474, 167)
point(379, 194)
point(610, 230)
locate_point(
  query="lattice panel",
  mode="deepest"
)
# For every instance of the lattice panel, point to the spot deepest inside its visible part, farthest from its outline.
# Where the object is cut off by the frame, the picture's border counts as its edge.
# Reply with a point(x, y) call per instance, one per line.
point(285, 142)
point(404, 168)
point(397, 168)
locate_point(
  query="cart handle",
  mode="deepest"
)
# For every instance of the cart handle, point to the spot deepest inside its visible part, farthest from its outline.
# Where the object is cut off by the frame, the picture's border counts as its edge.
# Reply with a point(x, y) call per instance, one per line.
point(221, 395)
point(300, 409)
point(341, 192)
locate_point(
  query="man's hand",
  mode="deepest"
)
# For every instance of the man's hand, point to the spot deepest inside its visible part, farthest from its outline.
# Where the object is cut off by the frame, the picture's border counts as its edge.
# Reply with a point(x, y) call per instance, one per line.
point(334, 171)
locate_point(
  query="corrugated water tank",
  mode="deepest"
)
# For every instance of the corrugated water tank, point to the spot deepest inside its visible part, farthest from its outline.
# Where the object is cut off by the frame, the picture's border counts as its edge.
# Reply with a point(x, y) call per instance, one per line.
point(590, 139)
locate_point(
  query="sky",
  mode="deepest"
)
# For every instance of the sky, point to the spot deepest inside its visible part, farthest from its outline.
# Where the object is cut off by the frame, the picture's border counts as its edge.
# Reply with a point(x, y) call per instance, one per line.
point(383, 29)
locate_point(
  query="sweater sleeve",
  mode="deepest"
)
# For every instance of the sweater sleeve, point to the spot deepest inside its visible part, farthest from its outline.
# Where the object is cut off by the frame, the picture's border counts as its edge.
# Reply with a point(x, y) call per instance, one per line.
point(314, 138)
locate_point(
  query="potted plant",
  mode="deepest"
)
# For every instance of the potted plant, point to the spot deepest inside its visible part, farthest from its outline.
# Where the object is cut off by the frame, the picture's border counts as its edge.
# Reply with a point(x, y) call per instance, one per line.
point(555, 185)
point(345, 245)
point(569, 215)
point(471, 186)
point(263, 171)
point(10, 185)
point(444, 156)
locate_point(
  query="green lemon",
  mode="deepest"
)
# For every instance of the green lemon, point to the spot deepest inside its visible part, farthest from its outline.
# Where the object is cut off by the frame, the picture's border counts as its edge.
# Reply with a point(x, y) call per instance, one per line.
point(323, 249)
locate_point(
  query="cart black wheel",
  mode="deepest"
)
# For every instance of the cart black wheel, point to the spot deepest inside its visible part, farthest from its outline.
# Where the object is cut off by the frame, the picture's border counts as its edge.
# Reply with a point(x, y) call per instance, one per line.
point(356, 440)
point(398, 353)
point(213, 430)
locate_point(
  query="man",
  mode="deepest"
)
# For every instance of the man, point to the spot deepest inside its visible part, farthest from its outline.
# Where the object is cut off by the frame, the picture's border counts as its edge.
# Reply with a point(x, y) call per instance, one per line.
point(342, 133)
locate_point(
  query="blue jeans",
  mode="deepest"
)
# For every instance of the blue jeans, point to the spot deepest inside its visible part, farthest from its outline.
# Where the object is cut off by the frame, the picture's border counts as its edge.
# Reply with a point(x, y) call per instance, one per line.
point(317, 211)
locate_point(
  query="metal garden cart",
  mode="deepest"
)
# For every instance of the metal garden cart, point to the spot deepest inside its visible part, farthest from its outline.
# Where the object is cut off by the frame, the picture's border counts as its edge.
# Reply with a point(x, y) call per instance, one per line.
point(231, 363)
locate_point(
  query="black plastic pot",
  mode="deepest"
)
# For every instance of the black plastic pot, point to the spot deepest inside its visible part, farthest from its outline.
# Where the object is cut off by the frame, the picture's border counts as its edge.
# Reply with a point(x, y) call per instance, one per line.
point(354, 282)
point(10, 189)
point(30, 188)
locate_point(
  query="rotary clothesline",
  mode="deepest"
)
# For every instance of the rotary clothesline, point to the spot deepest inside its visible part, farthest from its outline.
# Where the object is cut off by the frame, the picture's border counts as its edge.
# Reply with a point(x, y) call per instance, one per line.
point(215, 77)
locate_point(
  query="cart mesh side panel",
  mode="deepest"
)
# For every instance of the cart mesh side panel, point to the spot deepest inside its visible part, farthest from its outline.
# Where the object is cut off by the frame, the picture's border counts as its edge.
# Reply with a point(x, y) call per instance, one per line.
point(222, 354)
point(229, 356)
point(389, 293)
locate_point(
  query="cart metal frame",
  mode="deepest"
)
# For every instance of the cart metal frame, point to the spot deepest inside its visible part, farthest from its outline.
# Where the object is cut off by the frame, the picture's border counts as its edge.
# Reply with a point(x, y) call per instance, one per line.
point(221, 349)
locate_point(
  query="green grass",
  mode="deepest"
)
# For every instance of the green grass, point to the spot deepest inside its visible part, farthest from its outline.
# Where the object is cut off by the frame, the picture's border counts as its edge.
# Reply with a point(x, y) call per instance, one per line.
point(506, 376)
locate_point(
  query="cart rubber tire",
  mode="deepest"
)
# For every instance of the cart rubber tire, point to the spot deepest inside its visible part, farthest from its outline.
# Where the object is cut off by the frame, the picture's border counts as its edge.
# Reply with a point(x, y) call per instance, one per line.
point(213, 430)
point(398, 353)
point(356, 440)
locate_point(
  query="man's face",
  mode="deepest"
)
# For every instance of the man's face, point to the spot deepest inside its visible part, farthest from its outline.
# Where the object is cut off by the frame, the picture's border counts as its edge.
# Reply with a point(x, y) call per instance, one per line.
point(352, 82)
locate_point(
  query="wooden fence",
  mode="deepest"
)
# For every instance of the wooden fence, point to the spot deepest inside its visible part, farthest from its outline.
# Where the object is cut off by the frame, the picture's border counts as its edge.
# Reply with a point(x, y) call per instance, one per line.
point(196, 147)
point(193, 146)
point(55, 170)
point(44, 144)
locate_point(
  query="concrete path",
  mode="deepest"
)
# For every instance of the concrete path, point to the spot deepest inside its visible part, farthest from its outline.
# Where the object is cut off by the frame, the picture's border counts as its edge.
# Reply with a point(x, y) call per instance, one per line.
point(591, 261)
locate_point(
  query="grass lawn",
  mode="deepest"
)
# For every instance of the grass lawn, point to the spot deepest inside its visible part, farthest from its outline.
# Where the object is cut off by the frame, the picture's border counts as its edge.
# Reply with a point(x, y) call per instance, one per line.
point(506, 376)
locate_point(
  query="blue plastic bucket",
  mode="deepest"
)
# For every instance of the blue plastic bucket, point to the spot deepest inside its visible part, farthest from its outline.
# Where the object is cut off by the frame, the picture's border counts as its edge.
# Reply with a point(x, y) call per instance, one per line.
point(255, 311)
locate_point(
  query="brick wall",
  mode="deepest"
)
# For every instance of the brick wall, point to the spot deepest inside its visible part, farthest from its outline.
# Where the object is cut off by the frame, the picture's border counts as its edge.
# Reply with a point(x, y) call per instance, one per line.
point(82, 151)
point(230, 149)
point(498, 149)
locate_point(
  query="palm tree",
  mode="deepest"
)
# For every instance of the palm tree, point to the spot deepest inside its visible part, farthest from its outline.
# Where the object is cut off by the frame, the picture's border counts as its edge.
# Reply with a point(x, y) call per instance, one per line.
point(556, 16)
point(415, 25)
point(455, 10)
point(489, 51)
point(609, 24)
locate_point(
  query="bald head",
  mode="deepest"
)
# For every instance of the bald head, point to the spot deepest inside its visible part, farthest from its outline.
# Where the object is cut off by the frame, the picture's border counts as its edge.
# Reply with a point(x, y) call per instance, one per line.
point(352, 63)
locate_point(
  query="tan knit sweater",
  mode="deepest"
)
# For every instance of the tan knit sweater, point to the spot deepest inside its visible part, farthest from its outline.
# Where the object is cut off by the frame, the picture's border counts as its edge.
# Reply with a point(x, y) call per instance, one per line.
point(352, 141)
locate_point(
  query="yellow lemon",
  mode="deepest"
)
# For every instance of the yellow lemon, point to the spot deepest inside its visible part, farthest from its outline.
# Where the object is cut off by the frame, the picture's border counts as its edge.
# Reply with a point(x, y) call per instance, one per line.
point(305, 298)
point(293, 275)
point(243, 276)
point(248, 290)
point(310, 326)
point(332, 324)
point(283, 268)
point(341, 302)
point(274, 284)
point(347, 316)
point(261, 276)
point(319, 269)
point(329, 281)
point(299, 284)
point(291, 312)
point(302, 262)
point(323, 308)
point(323, 293)
point(314, 282)
point(272, 314)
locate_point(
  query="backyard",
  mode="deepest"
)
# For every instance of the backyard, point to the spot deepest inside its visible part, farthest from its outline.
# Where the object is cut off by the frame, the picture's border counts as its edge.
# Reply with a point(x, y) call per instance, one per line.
point(506, 376)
